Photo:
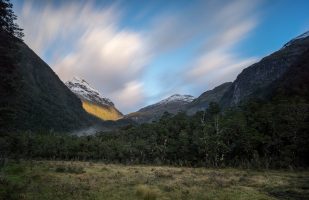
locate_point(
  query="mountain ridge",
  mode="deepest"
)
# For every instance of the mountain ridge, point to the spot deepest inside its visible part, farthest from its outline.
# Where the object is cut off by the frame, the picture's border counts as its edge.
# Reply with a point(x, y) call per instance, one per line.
point(171, 104)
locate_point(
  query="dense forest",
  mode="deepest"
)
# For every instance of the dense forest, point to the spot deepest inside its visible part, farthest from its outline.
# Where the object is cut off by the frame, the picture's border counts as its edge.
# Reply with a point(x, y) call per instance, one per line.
point(257, 134)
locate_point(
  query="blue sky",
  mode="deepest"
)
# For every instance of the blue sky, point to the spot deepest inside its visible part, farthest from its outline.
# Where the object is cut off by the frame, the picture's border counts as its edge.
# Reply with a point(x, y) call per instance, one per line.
point(138, 52)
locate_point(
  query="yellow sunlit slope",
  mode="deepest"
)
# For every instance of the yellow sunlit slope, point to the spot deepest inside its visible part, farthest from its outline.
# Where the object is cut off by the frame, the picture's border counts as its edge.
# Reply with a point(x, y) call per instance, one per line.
point(101, 112)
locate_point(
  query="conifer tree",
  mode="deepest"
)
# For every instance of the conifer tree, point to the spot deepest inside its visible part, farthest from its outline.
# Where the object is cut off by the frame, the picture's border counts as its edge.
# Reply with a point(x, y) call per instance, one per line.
point(7, 20)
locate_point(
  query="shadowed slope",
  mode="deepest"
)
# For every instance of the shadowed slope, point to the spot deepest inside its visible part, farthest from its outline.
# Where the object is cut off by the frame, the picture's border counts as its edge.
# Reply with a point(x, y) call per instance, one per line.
point(32, 95)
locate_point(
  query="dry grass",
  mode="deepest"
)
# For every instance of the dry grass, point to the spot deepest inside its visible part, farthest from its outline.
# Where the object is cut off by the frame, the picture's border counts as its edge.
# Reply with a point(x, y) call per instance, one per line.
point(101, 181)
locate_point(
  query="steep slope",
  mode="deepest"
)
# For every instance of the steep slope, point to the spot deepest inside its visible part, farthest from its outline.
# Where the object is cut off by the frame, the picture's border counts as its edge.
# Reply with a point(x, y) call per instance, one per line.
point(93, 102)
point(255, 81)
point(32, 95)
point(214, 95)
point(294, 84)
point(172, 104)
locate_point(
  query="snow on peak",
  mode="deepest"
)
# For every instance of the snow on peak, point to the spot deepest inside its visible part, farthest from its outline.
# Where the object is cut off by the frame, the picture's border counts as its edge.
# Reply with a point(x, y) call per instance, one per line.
point(177, 97)
point(302, 36)
point(83, 90)
point(79, 81)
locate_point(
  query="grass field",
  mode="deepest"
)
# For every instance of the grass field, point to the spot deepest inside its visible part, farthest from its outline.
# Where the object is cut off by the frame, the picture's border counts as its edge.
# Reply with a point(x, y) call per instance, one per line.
point(83, 180)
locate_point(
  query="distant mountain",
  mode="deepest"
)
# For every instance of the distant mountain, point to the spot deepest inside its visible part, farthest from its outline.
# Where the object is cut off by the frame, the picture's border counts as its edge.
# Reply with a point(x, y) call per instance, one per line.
point(172, 104)
point(93, 102)
point(32, 95)
point(257, 80)
point(214, 95)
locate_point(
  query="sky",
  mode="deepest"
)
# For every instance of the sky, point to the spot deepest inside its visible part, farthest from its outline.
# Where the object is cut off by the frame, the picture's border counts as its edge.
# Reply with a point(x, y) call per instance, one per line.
point(137, 52)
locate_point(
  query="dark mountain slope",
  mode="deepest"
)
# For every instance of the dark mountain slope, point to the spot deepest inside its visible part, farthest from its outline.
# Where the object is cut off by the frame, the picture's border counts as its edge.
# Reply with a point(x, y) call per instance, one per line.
point(214, 95)
point(32, 95)
point(294, 83)
point(172, 104)
point(254, 81)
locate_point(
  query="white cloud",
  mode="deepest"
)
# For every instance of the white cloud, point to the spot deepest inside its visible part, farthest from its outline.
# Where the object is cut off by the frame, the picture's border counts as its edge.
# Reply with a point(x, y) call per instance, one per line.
point(79, 39)
point(131, 95)
point(217, 61)
point(112, 61)
point(87, 42)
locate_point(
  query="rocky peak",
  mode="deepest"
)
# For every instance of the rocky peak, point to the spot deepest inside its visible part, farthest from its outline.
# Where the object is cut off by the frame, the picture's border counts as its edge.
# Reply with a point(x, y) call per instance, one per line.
point(86, 92)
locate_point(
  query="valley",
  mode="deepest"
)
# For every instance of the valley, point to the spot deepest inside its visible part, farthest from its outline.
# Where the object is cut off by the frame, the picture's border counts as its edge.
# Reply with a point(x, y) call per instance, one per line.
point(97, 103)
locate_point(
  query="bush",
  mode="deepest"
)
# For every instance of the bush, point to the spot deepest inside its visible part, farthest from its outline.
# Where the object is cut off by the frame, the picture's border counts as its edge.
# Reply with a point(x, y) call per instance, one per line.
point(70, 169)
point(147, 193)
point(60, 169)
point(163, 174)
point(11, 190)
point(15, 169)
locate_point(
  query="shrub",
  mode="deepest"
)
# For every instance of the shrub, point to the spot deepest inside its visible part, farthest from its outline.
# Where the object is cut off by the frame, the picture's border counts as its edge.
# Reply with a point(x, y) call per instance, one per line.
point(15, 169)
point(75, 170)
point(70, 169)
point(163, 174)
point(147, 193)
point(60, 169)
point(11, 190)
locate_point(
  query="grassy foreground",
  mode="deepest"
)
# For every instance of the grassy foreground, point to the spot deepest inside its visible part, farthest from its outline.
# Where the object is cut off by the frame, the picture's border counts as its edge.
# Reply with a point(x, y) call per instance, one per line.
point(84, 180)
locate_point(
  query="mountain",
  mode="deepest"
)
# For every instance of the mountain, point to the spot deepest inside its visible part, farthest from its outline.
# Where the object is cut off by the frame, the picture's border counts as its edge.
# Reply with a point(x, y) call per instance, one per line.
point(294, 84)
point(257, 80)
point(260, 80)
point(214, 95)
point(172, 104)
point(93, 102)
point(32, 96)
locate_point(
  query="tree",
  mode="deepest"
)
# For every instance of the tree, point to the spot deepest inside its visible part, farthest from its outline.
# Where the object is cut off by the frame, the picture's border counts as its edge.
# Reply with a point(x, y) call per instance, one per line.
point(214, 110)
point(7, 18)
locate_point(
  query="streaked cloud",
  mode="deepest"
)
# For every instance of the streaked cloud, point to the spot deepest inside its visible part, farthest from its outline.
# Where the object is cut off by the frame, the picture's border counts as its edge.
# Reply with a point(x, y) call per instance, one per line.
point(218, 61)
point(216, 29)
point(85, 41)
point(90, 41)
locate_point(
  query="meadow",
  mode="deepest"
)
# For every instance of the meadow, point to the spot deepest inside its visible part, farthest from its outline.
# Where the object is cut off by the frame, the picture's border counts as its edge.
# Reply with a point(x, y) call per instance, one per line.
point(86, 180)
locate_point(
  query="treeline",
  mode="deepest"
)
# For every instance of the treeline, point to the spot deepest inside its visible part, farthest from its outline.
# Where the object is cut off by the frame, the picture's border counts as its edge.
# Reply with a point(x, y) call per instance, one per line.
point(261, 135)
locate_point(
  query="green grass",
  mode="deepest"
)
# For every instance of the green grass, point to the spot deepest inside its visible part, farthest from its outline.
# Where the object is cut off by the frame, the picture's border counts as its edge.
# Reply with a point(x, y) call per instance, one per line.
point(83, 180)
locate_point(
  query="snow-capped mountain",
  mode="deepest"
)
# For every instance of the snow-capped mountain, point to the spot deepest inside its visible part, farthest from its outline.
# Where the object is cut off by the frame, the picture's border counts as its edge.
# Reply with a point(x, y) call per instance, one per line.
point(84, 91)
point(172, 104)
point(175, 101)
point(93, 102)
point(176, 98)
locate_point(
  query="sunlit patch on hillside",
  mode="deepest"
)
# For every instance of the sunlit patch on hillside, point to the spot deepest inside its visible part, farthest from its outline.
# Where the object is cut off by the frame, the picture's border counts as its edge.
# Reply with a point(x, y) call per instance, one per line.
point(105, 113)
